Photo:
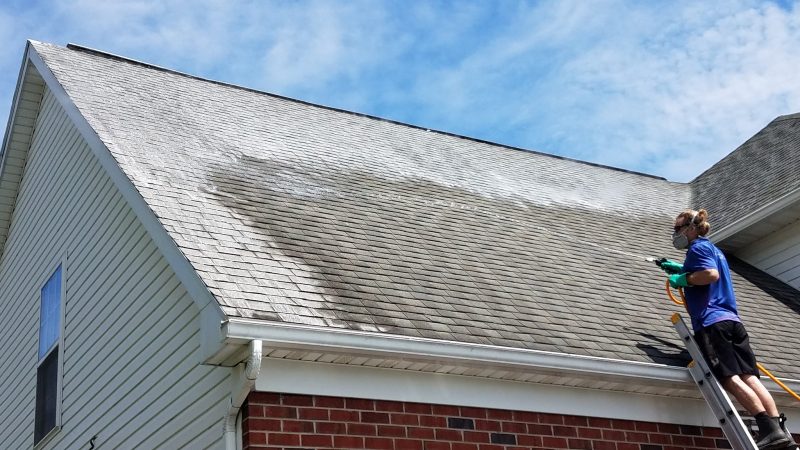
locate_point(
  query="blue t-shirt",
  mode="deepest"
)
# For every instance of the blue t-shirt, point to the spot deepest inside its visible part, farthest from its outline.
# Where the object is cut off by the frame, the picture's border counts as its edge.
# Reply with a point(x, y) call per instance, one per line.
point(714, 302)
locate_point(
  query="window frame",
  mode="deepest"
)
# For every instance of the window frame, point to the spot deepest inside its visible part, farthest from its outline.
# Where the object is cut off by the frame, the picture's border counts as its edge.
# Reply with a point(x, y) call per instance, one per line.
point(58, 346)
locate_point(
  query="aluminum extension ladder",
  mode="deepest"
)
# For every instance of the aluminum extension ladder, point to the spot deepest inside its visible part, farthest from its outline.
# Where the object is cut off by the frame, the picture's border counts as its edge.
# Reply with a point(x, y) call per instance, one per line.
point(730, 421)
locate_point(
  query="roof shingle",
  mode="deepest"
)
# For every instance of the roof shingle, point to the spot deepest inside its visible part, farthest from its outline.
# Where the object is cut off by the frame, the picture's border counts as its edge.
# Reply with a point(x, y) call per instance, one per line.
point(303, 214)
point(760, 171)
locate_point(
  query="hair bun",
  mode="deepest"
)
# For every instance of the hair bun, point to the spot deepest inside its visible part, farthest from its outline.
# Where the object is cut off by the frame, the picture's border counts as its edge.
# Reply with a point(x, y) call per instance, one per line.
point(701, 222)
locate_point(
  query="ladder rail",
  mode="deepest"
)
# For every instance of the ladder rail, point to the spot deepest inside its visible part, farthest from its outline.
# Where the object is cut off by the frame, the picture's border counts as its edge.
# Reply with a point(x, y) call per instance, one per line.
point(737, 433)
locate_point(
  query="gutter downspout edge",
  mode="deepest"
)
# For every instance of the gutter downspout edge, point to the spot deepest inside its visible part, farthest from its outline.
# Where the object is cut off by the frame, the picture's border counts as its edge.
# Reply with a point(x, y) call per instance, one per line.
point(243, 379)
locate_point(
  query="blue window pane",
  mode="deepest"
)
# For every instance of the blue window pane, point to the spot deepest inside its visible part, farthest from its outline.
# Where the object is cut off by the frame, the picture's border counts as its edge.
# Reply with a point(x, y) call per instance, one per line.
point(50, 318)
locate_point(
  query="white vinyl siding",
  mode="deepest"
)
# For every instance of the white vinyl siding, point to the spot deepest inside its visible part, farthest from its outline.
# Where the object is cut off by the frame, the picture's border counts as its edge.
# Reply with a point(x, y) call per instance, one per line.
point(131, 358)
point(778, 254)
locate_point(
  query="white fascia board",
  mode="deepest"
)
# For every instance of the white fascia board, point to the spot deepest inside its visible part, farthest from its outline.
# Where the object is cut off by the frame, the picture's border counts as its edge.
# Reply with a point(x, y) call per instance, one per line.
point(283, 336)
point(12, 114)
point(182, 267)
point(756, 216)
point(308, 378)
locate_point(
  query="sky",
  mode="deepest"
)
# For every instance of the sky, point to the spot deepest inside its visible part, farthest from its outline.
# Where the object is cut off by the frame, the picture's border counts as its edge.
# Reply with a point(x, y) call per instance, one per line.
point(667, 88)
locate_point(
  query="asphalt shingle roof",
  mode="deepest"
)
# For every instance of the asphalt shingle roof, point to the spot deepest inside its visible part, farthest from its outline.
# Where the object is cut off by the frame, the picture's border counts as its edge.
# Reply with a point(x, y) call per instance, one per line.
point(763, 169)
point(302, 214)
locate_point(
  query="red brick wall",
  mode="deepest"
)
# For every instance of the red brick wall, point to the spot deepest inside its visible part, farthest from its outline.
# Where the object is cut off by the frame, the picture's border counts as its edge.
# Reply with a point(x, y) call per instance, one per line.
point(280, 421)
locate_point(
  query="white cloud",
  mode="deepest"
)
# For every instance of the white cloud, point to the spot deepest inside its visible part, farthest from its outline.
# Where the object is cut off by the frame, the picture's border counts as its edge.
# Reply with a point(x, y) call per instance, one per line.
point(667, 90)
point(310, 54)
point(10, 59)
point(337, 42)
point(705, 91)
point(192, 34)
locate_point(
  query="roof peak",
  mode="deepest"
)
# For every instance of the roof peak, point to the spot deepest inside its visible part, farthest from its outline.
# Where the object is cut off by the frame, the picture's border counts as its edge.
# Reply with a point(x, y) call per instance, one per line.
point(105, 54)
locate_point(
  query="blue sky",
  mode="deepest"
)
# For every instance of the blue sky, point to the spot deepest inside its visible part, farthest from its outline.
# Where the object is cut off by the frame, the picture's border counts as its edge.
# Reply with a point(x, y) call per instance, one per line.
point(661, 87)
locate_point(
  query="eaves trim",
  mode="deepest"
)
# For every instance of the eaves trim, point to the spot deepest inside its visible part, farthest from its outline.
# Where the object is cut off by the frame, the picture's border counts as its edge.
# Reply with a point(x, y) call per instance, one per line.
point(300, 337)
point(336, 380)
point(10, 182)
point(14, 105)
point(756, 216)
point(310, 339)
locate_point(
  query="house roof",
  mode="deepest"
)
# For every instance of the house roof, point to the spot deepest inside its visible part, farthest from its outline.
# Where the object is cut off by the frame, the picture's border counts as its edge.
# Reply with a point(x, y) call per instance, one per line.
point(301, 214)
point(755, 190)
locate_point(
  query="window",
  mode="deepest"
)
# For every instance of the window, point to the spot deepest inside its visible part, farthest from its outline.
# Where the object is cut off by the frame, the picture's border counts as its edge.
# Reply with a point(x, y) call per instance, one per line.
point(47, 370)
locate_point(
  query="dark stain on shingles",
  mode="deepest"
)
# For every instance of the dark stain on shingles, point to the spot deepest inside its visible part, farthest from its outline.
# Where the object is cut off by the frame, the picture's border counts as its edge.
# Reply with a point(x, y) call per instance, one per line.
point(412, 256)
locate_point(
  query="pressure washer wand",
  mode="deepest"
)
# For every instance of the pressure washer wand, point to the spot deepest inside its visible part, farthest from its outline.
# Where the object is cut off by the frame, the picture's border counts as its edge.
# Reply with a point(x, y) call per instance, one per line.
point(657, 261)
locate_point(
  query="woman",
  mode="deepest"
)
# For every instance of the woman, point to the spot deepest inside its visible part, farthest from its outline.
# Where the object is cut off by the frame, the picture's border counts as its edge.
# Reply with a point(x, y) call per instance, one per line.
point(719, 331)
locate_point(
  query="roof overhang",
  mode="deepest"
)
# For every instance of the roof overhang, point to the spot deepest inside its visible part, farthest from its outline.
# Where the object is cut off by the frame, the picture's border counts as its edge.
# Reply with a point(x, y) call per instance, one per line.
point(356, 348)
point(760, 223)
point(17, 139)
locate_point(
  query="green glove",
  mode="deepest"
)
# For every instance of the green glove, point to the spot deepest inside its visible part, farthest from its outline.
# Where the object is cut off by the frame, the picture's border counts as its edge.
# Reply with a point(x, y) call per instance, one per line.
point(678, 281)
point(671, 267)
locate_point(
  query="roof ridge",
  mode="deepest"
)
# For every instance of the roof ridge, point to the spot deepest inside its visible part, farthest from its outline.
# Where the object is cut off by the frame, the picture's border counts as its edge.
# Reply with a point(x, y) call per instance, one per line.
point(791, 116)
point(754, 138)
point(104, 54)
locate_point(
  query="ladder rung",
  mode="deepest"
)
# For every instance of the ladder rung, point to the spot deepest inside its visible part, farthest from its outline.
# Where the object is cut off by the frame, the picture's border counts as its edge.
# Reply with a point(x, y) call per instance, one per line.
point(730, 421)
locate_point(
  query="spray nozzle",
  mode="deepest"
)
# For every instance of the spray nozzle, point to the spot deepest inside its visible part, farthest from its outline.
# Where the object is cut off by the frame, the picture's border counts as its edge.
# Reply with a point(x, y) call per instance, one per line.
point(658, 262)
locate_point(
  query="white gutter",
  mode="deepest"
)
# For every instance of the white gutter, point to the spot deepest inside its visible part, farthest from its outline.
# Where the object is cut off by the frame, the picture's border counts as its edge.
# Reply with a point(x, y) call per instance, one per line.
point(243, 378)
point(300, 337)
point(350, 342)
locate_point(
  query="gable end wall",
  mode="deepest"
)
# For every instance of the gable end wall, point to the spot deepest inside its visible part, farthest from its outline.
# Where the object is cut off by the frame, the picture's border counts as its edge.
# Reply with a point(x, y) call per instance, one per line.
point(131, 372)
point(777, 254)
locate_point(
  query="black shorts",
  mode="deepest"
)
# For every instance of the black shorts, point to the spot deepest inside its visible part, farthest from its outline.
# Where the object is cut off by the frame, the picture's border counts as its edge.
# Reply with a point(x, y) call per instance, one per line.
point(726, 348)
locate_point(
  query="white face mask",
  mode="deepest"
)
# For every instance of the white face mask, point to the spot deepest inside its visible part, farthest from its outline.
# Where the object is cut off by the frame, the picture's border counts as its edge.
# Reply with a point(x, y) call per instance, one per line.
point(680, 241)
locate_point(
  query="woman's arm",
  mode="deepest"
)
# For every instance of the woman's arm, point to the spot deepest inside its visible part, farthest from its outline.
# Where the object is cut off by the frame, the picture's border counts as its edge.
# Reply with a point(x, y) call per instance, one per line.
point(702, 277)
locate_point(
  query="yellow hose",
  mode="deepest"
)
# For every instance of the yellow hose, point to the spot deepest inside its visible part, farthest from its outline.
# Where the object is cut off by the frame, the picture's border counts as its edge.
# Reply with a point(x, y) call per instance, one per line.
point(682, 302)
point(778, 382)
